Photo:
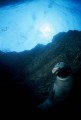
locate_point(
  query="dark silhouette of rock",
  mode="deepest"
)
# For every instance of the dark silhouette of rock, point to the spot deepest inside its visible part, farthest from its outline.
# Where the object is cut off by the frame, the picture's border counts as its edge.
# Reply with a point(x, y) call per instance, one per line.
point(26, 78)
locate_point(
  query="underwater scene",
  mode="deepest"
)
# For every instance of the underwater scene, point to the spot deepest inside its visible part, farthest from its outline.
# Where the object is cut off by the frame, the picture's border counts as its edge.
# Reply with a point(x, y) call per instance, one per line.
point(40, 58)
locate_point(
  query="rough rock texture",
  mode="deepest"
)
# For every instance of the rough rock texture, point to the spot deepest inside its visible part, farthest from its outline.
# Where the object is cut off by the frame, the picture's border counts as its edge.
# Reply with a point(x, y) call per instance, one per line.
point(28, 73)
point(64, 47)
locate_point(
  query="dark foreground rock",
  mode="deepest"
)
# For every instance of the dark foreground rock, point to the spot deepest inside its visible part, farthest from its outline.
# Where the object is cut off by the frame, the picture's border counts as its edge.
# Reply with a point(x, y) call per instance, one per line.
point(26, 77)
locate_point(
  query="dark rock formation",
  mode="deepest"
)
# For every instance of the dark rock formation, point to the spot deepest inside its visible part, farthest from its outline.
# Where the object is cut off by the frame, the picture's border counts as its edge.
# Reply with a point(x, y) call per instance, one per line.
point(26, 78)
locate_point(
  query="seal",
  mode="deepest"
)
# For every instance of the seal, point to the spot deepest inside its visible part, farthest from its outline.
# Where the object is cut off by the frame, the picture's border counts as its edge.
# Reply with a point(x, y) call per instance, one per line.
point(62, 86)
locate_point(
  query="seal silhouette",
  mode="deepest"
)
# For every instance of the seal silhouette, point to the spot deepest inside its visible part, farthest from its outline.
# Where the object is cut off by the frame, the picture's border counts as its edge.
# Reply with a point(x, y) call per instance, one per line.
point(62, 86)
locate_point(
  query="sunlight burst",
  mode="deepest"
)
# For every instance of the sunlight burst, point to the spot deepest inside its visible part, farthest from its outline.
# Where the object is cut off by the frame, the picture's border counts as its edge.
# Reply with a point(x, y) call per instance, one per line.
point(46, 30)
